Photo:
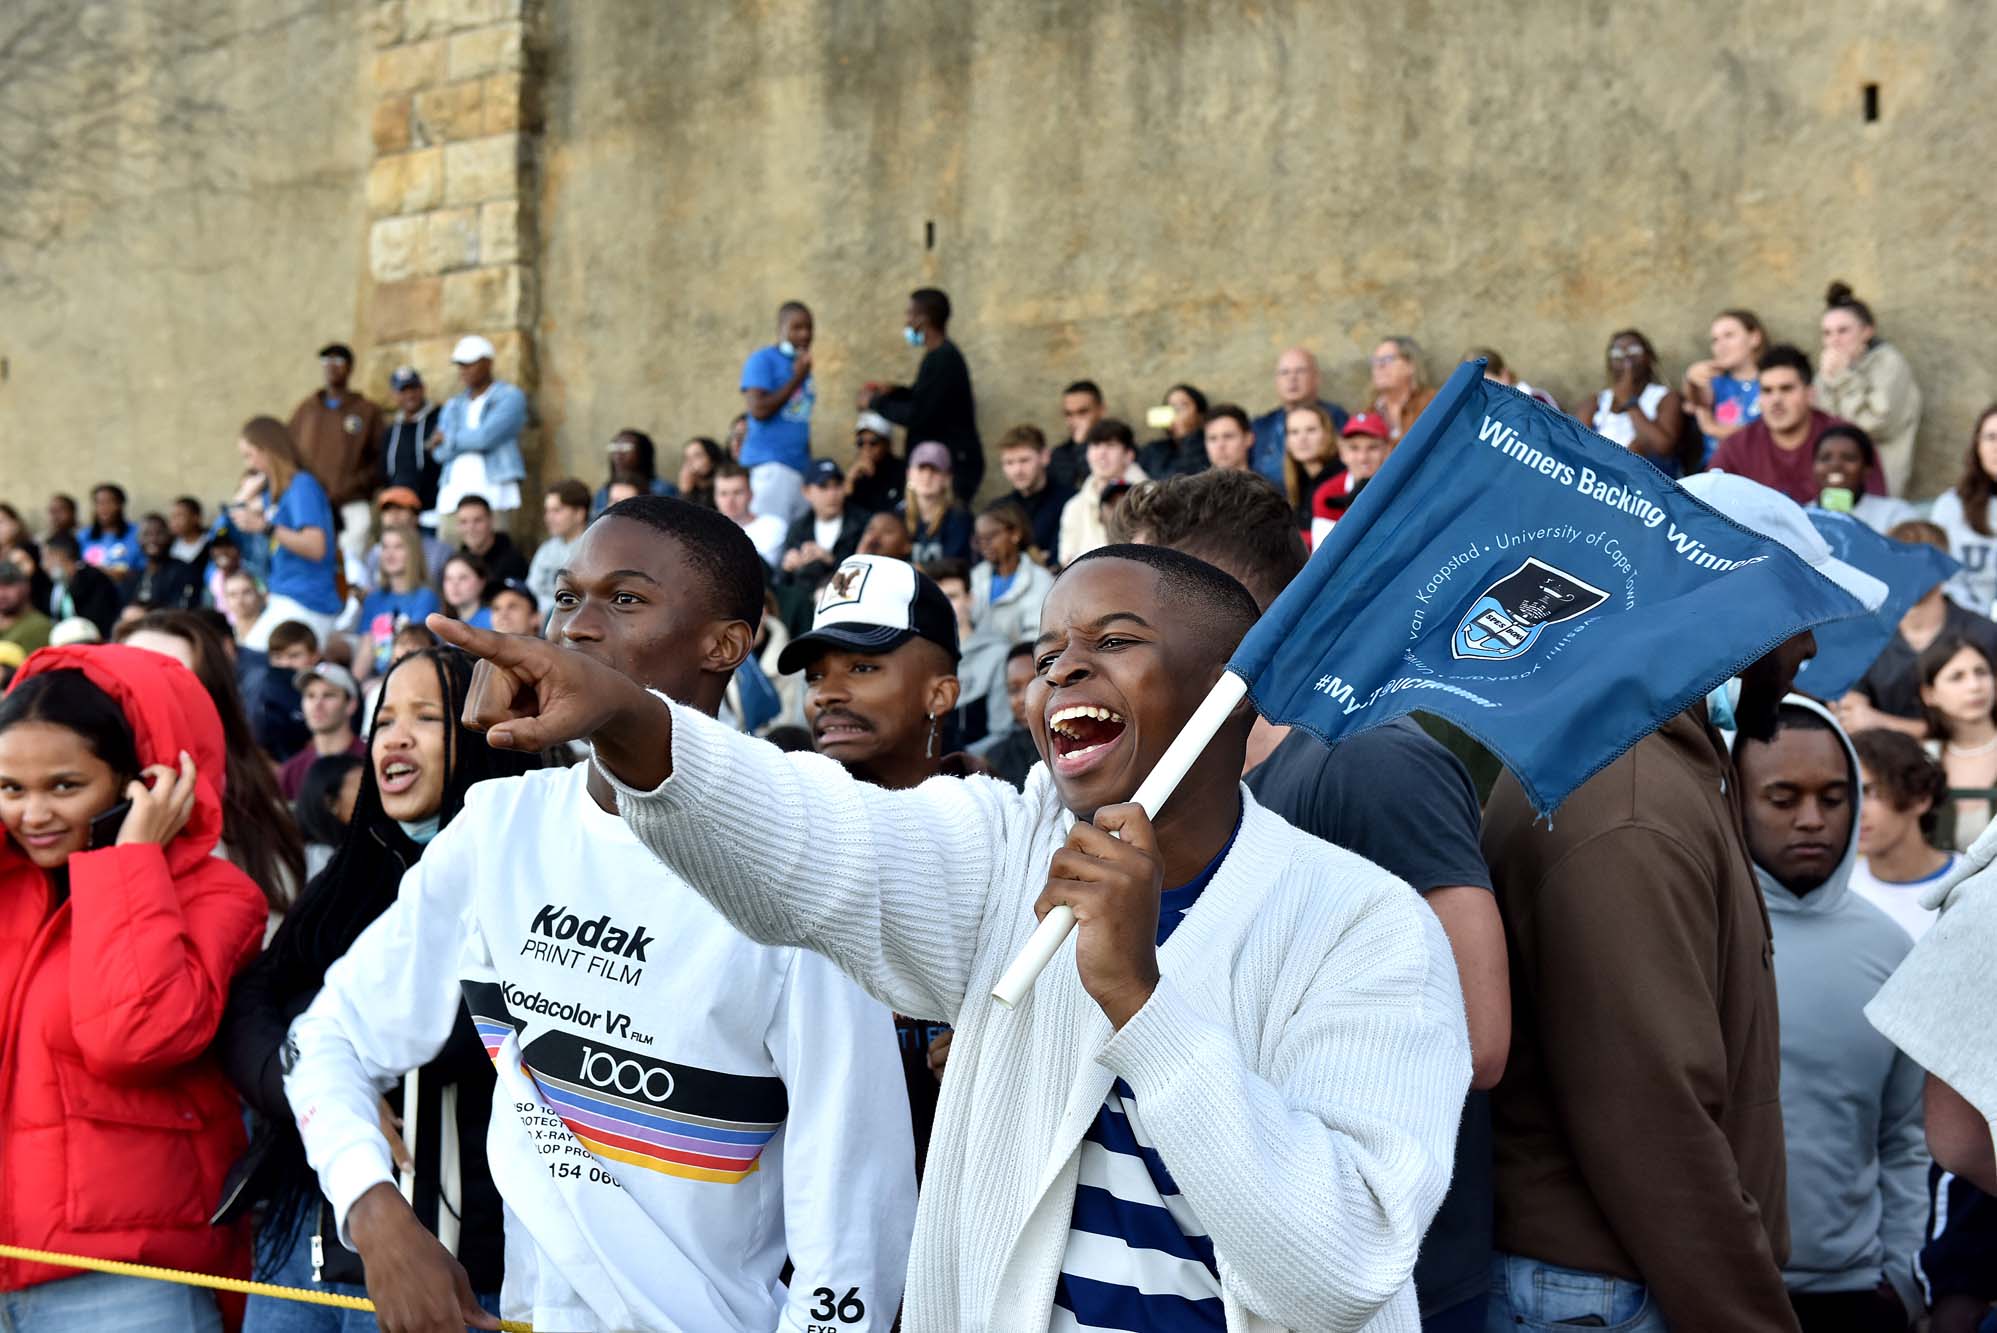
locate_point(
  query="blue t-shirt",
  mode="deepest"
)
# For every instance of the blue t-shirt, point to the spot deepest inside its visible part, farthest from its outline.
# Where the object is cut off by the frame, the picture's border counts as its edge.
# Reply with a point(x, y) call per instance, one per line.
point(1735, 403)
point(112, 549)
point(786, 437)
point(310, 583)
point(386, 611)
point(1138, 1259)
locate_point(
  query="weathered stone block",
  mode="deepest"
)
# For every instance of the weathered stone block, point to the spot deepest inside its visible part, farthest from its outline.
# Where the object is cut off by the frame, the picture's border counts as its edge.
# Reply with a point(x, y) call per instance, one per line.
point(494, 297)
point(391, 124)
point(499, 228)
point(412, 308)
point(413, 65)
point(486, 50)
point(406, 182)
point(505, 103)
point(513, 360)
point(429, 18)
point(449, 113)
point(393, 245)
point(432, 359)
point(450, 240)
point(482, 169)
point(385, 22)
point(382, 360)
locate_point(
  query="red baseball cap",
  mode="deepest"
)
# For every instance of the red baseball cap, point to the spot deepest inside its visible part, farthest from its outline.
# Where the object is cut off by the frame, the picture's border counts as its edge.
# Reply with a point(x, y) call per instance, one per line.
point(1367, 423)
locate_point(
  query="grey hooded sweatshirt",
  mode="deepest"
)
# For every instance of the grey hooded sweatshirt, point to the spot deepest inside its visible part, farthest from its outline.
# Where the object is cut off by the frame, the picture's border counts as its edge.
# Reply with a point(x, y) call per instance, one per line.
point(1851, 1102)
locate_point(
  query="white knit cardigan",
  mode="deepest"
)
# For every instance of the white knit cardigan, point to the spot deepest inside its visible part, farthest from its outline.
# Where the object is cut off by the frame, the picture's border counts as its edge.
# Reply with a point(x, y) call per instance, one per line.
point(1301, 1066)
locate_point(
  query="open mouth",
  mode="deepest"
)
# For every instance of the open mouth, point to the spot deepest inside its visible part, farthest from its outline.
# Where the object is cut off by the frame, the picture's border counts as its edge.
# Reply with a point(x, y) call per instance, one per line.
point(398, 776)
point(833, 728)
point(1082, 736)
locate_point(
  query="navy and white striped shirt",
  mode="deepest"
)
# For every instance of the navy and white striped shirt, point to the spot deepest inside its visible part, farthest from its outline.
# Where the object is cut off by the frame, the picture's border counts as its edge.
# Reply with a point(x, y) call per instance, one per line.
point(1138, 1260)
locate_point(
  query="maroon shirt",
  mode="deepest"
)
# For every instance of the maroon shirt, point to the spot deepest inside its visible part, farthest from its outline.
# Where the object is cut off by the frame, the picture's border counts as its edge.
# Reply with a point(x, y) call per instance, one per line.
point(1751, 452)
point(291, 777)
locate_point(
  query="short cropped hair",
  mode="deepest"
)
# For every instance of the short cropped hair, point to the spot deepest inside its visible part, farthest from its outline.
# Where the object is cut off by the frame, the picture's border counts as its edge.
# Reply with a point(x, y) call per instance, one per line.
point(714, 545)
point(1236, 520)
point(289, 634)
point(1233, 412)
point(1111, 431)
point(571, 494)
point(933, 303)
point(1089, 387)
point(1023, 437)
point(1786, 354)
point(1221, 606)
point(476, 502)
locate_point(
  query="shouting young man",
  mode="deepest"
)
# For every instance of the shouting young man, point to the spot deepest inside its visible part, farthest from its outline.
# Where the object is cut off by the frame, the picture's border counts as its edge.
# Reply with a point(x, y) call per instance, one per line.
point(1231, 1098)
point(679, 1107)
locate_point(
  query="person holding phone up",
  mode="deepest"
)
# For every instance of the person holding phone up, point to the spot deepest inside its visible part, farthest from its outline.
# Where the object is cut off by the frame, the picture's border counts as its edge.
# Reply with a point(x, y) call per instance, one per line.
point(119, 934)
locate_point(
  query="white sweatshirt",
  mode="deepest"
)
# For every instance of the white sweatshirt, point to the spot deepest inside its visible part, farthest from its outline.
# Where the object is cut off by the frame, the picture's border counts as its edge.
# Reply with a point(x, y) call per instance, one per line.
point(1301, 1066)
point(678, 1107)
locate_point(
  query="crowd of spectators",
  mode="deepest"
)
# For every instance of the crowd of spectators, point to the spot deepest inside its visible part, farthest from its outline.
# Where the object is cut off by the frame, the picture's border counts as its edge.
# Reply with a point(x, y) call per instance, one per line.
point(901, 597)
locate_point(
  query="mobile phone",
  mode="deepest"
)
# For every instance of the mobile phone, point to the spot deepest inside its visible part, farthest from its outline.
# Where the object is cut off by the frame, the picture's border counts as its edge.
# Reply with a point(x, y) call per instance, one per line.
point(1160, 417)
point(1838, 499)
point(104, 828)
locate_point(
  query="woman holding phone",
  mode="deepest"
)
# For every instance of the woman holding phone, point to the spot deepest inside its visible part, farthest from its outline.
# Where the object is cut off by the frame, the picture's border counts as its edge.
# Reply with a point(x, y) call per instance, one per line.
point(119, 934)
point(289, 508)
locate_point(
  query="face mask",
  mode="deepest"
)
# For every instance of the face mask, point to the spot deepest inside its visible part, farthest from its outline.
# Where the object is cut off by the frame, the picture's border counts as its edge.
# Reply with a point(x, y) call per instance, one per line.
point(422, 830)
point(787, 347)
point(911, 337)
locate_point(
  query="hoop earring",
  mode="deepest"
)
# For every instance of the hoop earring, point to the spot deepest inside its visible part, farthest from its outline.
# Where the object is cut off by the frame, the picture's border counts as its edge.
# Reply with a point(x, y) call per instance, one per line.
point(929, 751)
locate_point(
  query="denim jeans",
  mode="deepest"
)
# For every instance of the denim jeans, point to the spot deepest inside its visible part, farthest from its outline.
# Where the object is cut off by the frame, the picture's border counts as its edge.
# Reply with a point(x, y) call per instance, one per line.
point(268, 1314)
point(98, 1301)
point(1529, 1296)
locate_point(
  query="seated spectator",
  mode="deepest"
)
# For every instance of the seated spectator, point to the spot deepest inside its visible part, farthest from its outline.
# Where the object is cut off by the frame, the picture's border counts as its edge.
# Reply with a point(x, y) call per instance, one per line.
point(402, 594)
point(1844, 456)
point(1183, 450)
point(398, 507)
point(190, 533)
point(1010, 755)
point(1297, 382)
point(1638, 410)
point(698, 459)
point(1400, 385)
point(738, 431)
point(1363, 447)
point(1229, 438)
point(80, 733)
point(61, 515)
point(291, 508)
point(514, 608)
point(1722, 392)
point(875, 482)
point(1112, 458)
point(1023, 457)
point(111, 542)
point(1959, 692)
point(464, 582)
point(634, 458)
point(1904, 792)
point(565, 513)
point(73, 631)
point(939, 527)
point(886, 534)
point(1310, 459)
point(620, 491)
point(830, 529)
point(411, 638)
point(1889, 694)
point(331, 700)
point(20, 624)
point(406, 460)
point(1007, 584)
point(325, 806)
point(734, 496)
point(77, 590)
point(1851, 1102)
point(478, 435)
point(1081, 409)
point(980, 663)
point(27, 559)
point(157, 581)
point(225, 558)
point(1496, 369)
point(242, 601)
point(1780, 450)
point(1863, 379)
point(1963, 513)
point(1114, 495)
point(13, 531)
point(479, 535)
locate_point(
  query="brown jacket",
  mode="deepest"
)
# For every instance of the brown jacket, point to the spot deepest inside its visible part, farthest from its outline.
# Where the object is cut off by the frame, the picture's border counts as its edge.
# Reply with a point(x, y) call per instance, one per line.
point(340, 445)
point(1638, 1127)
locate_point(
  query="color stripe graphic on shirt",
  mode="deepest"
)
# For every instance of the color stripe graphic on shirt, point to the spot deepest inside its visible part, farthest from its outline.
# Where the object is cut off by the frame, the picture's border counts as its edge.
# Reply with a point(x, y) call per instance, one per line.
point(1137, 1260)
point(636, 1109)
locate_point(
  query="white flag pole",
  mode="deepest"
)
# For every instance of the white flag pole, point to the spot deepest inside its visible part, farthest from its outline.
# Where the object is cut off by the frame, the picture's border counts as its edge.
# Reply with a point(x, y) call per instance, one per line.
point(1156, 789)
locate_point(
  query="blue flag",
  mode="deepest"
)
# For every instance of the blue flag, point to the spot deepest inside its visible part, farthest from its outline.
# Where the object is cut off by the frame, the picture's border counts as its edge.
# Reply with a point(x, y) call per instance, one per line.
point(1910, 570)
point(1554, 595)
point(759, 699)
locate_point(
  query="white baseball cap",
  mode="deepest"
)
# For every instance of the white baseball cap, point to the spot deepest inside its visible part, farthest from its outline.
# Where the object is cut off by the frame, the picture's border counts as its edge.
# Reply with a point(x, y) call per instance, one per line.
point(1779, 518)
point(874, 604)
point(472, 348)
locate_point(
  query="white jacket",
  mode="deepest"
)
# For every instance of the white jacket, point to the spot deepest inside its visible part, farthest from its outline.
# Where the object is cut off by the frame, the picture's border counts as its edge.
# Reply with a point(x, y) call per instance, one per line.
point(1301, 1065)
point(1014, 617)
point(678, 1107)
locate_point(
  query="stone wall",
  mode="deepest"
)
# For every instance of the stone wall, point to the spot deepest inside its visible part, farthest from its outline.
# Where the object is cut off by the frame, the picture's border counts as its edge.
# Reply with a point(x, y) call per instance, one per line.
point(621, 192)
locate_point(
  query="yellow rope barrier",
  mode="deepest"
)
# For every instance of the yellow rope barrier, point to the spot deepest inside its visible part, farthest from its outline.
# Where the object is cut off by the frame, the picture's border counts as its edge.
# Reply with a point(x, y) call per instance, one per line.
point(271, 1289)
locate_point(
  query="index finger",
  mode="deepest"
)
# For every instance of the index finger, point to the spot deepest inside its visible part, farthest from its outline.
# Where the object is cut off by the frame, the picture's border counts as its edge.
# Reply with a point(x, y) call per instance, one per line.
point(1129, 822)
point(489, 644)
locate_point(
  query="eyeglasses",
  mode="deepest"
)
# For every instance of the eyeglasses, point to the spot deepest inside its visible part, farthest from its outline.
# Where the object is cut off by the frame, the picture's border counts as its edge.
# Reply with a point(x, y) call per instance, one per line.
point(1387, 360)
point(1633, 354)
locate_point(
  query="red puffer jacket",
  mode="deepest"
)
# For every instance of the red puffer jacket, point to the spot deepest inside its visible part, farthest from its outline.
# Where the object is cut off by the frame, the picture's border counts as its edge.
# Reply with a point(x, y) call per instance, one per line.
point(116, 1127)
